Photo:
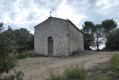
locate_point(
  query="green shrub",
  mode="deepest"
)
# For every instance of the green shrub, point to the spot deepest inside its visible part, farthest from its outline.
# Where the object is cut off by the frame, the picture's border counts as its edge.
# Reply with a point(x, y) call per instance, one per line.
point(114, 62)
point(76, 52)
point(19, 75)
point(7, 63)
point(22, 55)
point(27, 54)
point(54, 77)
point(79, 52)
point(102, 78)
point(71, 73)
point(32, 53)
point(75, 73)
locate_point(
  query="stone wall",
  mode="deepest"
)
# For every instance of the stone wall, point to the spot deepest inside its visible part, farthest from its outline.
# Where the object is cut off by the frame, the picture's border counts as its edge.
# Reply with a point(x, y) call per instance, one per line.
point(66, 37)
point(56, 28)
point(75, 39)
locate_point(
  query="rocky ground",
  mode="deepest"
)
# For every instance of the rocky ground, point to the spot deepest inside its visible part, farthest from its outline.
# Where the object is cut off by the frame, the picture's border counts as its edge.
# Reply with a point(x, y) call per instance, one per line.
point(102, 70)
point(38, 68)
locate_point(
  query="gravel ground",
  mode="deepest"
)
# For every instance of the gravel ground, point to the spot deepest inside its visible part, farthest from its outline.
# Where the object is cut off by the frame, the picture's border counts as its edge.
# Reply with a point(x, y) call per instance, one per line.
point(38, 68)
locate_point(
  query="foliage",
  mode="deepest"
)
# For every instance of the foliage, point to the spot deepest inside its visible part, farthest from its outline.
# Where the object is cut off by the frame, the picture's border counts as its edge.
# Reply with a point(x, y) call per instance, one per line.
point(98, 35)
point(108, 26)
point(24, 40)
point(1, 26)
point(76, 52)
point(19, 75)
point(6, 62)
point(114, 62)
point(88, 41)
point(92, 35)
point(8, 44)
point(113, 41)
point(102, 78)
point(88, 34)
point(18, 40)
point(79, 73)
point(25, 54)
point(79, 52)
point(71, 73)
point(88, 27)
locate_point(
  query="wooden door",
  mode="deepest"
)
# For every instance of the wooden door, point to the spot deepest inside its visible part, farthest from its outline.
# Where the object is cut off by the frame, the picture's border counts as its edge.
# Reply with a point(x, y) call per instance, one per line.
point(50, 46)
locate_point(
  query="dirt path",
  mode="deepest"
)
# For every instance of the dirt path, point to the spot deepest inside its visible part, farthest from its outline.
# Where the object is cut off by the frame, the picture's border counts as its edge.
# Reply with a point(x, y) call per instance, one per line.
point(38, 68)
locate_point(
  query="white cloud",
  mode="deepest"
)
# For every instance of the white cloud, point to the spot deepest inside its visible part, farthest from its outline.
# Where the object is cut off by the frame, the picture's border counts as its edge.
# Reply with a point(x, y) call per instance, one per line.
point(24, 13)
point(67, 12)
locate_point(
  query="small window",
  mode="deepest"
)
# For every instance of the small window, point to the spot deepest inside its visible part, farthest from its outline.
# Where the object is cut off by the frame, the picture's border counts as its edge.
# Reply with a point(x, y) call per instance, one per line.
point(50, 38)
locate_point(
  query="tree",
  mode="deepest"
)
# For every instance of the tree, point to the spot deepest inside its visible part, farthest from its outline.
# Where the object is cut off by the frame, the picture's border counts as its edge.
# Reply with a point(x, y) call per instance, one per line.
point(108, 26)
point(12, 41)
point(1, 26)
point(30, 42)
point(24, 40)
point(98, 35)
point(92, 35)
point(113, 41)
point(88, 27)
point(88, 41)
point(6, 62)
point(88, 34)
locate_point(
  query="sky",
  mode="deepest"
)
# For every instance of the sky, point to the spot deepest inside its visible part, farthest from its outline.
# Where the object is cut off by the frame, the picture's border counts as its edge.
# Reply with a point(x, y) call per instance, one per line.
point(28, 13)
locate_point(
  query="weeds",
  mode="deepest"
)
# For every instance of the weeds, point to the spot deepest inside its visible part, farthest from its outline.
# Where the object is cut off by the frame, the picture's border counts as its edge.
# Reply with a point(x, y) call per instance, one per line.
point(114, 62)
point(81, 52)
point(19, 75)
point(27, 54)
point(71, 73)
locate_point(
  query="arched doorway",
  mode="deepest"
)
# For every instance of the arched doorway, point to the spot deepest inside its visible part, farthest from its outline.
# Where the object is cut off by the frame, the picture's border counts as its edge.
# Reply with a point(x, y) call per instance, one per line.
point(50, 46)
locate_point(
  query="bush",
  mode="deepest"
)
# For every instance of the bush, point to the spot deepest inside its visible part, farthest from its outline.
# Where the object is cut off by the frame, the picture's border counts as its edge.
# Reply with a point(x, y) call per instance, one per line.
point(27, 54)
point(81, 52)
point(112, 43)
point(75, 73)
point(7, 63)
point(18, 76)
point(71, 73)
point(32, 53)
point(114, 62)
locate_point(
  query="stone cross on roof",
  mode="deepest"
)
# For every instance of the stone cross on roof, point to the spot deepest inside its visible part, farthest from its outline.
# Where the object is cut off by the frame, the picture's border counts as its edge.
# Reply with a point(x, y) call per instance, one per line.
point(50, 13)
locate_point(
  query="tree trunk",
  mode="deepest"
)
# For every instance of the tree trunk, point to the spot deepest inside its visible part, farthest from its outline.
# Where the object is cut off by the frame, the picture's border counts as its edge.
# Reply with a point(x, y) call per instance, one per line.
point(97, 43)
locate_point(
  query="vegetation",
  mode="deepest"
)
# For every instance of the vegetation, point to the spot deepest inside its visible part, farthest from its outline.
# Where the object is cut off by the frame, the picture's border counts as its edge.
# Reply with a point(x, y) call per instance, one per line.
point(97, 34)
point(92, 35)
point(19, 43)
point(6, 62)
point(25, 54)
point(13, 43)
point(71, 73)
point(113, 41)
point(24, 40)
point(102, 72)
point(75, 73)
point(79, 52)
point(18, 76)
point(88, 34)
point(108, 26)
point(114, 62)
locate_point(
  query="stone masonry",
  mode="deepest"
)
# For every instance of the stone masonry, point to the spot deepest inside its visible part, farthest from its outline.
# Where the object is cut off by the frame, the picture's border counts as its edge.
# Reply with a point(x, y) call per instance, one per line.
point(66, 37)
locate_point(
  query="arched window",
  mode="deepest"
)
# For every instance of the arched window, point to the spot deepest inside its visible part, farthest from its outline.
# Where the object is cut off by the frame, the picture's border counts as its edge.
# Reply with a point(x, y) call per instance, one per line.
point(50, 46)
